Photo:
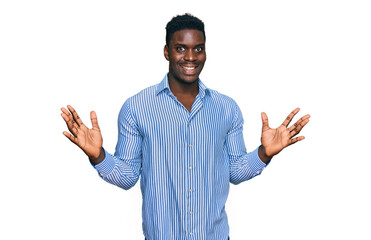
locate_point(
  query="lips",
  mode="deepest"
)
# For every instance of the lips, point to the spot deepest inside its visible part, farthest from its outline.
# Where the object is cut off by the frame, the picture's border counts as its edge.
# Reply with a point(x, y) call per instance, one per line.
point(189, 69)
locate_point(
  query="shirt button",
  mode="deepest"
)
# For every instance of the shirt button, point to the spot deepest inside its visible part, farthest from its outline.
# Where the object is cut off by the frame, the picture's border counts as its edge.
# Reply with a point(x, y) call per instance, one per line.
point(190, 167)
point(190, 190)
point(101, 174)
point(190, 212)
point(191, 233)
point(190, 145)
point(258, 172)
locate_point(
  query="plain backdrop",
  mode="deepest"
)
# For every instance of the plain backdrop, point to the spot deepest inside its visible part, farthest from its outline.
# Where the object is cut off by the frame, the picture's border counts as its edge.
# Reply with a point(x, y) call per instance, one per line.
point(270, 56)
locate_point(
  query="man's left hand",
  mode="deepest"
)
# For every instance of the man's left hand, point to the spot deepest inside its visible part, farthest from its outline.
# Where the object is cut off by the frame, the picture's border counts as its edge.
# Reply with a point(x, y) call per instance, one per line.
point(274, 140)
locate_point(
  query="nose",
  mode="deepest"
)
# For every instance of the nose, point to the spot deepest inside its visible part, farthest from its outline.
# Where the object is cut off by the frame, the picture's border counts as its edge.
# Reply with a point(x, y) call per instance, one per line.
point(190, 55)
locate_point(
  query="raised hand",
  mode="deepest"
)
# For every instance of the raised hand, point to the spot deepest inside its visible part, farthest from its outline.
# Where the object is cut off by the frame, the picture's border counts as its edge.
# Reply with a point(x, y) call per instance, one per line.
point(89, 140)
point(274, 140)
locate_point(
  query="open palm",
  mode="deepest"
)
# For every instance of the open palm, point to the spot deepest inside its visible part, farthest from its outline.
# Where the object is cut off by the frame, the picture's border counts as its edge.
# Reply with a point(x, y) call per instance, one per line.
point(89, 140)
point(275, 140)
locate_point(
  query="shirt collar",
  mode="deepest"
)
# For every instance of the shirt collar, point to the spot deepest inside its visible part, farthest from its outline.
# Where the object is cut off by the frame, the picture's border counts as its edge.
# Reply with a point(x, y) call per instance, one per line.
point(164, 84)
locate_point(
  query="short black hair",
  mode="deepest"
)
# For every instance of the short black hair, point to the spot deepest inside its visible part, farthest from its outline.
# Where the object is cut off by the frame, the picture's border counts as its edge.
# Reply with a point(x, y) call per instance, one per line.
point(181, 22)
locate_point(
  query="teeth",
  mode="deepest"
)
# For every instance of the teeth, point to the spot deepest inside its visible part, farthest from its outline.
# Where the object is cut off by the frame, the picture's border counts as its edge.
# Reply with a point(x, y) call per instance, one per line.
point(189, 68)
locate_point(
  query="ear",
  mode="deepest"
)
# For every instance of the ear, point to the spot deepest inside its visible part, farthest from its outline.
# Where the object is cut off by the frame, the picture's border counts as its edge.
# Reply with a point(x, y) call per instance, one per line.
point(166, 52)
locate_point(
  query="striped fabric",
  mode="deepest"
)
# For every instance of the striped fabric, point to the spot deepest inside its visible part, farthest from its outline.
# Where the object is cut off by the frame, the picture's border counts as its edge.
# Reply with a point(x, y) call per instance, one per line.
point(185, 159)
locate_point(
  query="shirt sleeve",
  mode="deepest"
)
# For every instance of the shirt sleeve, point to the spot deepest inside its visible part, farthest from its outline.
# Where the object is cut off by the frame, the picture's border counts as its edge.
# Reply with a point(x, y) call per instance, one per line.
point(242, 165)
point(124, 167)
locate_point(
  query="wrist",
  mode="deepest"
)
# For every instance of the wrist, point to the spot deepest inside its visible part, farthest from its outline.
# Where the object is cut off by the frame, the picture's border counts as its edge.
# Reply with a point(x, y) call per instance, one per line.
point(98, 159)
point(263, 156)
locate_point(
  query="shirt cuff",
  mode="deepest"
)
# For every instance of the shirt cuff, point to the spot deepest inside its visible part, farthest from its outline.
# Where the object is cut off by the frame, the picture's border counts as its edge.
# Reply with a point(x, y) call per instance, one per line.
point(255, 163)
point(105, 167)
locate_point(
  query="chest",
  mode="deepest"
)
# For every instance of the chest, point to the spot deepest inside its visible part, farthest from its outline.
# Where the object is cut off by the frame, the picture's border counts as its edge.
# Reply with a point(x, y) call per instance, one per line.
point(180, 120)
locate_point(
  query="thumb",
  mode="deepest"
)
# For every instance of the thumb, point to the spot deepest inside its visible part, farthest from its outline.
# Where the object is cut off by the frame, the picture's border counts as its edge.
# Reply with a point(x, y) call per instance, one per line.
point(265, 121)
point(94, 120)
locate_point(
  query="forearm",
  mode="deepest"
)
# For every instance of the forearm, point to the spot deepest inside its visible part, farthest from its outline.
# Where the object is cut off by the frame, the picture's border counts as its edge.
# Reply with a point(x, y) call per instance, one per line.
point(246, 167)
point(118, 172)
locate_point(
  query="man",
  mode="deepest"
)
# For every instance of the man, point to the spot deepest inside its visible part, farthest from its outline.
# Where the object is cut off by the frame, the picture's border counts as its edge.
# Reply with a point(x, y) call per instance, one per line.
point(185, 141)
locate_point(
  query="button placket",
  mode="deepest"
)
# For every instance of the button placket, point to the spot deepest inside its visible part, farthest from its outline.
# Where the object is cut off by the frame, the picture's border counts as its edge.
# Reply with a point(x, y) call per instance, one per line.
point(190, 174)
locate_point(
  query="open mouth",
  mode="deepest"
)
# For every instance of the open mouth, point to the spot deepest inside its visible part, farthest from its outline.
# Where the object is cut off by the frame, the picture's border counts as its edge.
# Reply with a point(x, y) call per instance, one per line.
point(189, 69)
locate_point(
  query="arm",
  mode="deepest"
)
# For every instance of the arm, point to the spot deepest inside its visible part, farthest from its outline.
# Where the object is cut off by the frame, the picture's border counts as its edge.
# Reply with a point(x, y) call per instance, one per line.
point(242, 165)
point(123, 169)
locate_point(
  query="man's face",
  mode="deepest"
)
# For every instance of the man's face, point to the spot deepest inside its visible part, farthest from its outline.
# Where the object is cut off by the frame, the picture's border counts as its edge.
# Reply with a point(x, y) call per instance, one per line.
point(186, 55)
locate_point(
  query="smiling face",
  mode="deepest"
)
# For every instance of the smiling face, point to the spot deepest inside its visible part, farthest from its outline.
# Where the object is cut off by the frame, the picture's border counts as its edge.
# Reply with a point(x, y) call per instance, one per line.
point(186, 55)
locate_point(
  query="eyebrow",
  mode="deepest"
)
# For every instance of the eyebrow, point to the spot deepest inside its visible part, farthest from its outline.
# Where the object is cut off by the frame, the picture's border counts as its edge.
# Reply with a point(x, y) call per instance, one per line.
point(183, 45)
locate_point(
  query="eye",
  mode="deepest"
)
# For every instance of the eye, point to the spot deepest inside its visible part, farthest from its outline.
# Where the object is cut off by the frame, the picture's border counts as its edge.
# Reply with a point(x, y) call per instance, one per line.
point(180, 49)
point(199, 49)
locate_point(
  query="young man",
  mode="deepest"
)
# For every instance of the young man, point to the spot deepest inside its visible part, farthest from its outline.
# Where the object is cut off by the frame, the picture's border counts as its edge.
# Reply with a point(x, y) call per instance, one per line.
point(185, 141)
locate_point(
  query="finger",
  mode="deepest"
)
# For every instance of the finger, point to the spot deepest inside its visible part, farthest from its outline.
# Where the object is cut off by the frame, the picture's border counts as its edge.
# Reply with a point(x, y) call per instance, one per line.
point(75, 115)
point(71, 124)
point(299, 122)
point(67, 116)
point(70, 137)
point(65, 111)
point(295, 140)
point(290, 117)
point(265, 121)
point(296, 128)
point(94, 120)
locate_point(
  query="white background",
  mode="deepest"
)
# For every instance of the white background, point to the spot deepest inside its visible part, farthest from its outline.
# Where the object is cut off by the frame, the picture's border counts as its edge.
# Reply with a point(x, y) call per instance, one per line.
point(269, 56)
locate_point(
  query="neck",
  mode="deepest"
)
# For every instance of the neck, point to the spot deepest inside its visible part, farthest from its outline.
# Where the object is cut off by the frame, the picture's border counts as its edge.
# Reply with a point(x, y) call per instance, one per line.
point(179, 88)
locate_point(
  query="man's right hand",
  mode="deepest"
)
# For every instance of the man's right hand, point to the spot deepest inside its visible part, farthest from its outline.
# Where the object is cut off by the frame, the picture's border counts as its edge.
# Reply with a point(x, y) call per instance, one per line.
point(89, 140)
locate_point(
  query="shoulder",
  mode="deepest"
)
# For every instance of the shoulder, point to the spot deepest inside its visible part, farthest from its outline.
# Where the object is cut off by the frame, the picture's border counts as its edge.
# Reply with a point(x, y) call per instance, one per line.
point(140, 99)
point(143, 96)
point(140, 103)
point(222, 99)
point(228, 108)
point(222, 105)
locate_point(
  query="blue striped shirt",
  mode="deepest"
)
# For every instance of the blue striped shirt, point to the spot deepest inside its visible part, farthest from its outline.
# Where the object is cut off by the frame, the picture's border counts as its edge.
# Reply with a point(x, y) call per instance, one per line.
point(185, 159)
